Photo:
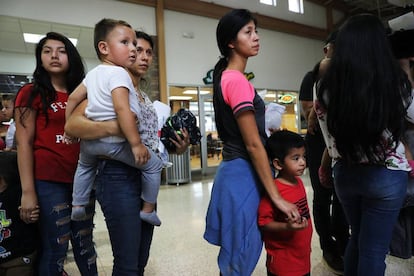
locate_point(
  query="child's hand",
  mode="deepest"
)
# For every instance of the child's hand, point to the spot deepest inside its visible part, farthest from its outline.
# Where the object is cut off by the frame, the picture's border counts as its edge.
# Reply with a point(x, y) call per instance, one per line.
point(141, 154)
point(34, 215)
point(28, 207)
point(297, 225)
point(69, 139)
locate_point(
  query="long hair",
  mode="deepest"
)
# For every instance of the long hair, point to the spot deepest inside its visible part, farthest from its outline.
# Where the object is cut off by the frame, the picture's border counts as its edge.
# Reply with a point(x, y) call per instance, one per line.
point(364, 91)
point(226, 32)
point(42, 84)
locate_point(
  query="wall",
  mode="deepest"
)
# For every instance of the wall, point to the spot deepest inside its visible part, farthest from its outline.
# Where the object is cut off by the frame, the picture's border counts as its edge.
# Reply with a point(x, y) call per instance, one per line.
point(314, 14)
point(281, 64)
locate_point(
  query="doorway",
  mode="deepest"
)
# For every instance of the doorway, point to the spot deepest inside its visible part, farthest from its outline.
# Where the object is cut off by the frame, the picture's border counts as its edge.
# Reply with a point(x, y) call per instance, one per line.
point(205, 156)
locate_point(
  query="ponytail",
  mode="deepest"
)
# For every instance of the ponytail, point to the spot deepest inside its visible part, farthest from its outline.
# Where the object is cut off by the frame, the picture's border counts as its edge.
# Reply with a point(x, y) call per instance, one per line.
point(218, 71)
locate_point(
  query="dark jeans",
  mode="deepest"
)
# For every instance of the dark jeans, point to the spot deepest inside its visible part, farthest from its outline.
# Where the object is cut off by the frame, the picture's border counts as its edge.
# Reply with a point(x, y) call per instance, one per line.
point(329, 222)
point(118, 190)
point(372, 197)
point(56, 229)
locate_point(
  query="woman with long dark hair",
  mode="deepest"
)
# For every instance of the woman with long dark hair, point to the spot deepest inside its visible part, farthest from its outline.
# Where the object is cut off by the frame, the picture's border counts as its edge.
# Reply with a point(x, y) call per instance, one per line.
point(231, 221)
point(46, 164)
point(361, 105)
point(118, 186)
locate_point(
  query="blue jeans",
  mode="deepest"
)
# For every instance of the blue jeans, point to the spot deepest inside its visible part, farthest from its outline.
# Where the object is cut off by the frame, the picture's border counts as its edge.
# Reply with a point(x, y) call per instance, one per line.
point(371, 197)
point(118, 190)
point(56, 229)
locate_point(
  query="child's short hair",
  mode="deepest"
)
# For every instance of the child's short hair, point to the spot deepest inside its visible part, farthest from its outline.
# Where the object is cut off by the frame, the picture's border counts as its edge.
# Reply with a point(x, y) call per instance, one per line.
point(8, 97)
point(103, 28)
point(8, 167)
point(281, 142)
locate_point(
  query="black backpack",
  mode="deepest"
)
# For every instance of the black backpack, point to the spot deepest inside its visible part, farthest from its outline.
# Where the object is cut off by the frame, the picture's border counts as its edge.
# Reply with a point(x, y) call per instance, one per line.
point(180, 120)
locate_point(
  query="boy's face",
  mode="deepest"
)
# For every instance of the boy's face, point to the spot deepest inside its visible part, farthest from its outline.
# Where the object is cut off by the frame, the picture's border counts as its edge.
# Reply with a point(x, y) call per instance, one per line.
point(121, 47)
point(294, 162)
point(7, 110)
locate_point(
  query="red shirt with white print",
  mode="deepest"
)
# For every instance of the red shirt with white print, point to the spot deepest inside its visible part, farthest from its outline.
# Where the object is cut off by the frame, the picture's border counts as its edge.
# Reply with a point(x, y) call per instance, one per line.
point(53, 159)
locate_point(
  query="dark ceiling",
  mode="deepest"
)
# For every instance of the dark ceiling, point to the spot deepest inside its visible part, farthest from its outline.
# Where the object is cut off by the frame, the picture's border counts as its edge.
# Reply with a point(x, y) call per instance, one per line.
point(385, 9)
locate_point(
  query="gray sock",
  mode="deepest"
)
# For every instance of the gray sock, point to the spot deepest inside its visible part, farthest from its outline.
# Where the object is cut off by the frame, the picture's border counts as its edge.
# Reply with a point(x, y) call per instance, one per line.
point(151, 218)
point(78, 213)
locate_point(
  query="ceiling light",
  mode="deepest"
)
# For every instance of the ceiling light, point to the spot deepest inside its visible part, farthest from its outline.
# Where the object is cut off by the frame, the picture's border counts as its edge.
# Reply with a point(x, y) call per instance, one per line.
point(180, 97)
point(194, 92)
point(35, 38)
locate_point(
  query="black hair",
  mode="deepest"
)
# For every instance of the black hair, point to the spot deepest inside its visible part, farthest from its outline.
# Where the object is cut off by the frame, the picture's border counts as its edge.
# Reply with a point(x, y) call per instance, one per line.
point(103, 28)
point(145, 81)
point(145, 36)
point(402, 43)
point(331, 37)
point(226, 32)
point(42, 85)
point(281, 142)
point(364, 91)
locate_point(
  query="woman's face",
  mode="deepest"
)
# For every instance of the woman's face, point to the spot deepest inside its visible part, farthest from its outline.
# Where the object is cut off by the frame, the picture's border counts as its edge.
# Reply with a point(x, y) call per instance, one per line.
point(247, 41)
point(54, 57)
point(144, 58)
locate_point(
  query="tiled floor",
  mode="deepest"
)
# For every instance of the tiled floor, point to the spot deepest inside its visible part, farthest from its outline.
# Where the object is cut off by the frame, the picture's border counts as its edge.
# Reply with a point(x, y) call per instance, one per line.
point(178, 247)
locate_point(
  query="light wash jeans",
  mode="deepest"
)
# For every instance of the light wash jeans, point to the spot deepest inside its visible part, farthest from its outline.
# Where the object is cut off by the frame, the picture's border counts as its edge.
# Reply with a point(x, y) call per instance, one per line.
point(118, 190)
point(56, 229)
point(371, 196)
point(87, 165)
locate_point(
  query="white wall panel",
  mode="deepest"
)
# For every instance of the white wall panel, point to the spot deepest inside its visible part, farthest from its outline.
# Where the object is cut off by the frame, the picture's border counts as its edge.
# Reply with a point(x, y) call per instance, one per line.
point(282, 62)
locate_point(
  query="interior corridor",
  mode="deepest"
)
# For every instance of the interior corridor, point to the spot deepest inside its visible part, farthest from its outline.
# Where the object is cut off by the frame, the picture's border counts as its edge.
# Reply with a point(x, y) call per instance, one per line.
point(178, 247)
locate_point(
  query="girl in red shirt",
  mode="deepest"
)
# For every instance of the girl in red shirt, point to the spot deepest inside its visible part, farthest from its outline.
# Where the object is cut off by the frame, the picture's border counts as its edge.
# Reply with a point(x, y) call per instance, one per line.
point(46, 164)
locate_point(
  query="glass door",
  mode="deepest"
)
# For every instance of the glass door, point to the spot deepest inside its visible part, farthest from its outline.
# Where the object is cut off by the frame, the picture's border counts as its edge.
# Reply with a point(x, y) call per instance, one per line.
point(199, 100)
point(211, 145)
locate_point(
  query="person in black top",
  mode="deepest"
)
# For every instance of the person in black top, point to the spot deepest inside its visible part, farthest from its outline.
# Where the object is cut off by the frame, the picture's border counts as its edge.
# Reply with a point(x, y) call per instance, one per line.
point(329, 219)
point(18, 240)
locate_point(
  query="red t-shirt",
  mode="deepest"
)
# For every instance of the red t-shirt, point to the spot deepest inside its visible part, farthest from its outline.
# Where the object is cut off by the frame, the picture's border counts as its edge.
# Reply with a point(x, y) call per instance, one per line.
point(288, 252)
point(53, 159)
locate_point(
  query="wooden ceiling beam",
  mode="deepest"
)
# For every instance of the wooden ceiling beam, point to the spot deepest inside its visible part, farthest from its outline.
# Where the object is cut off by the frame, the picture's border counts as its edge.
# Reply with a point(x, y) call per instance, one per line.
point(200, 8)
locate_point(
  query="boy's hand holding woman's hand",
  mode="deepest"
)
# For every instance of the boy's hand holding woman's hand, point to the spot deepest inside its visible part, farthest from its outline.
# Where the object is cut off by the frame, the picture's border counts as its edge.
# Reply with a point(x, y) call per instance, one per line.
point(297, 225)
point(29, 209)
point(290, 209)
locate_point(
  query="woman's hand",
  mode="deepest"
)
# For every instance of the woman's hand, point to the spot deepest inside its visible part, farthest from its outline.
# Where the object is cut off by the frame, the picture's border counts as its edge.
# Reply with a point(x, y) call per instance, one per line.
point(289, 209)
point(181, 144)
point(29, 208)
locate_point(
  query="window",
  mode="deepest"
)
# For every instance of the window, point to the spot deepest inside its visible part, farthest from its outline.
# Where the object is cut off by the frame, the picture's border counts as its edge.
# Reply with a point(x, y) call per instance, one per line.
point(268, 2)
point(296, 6)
